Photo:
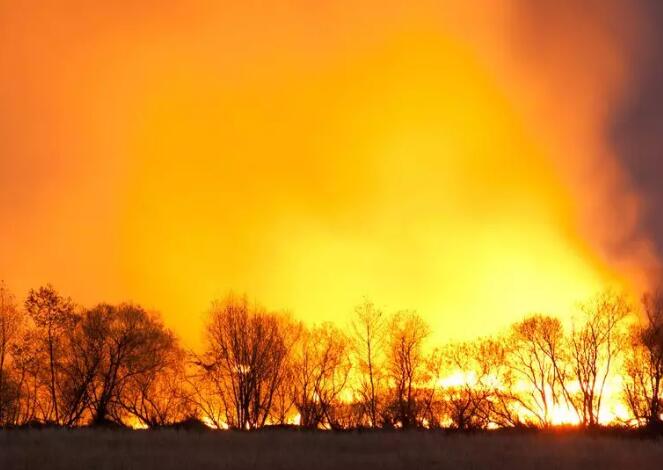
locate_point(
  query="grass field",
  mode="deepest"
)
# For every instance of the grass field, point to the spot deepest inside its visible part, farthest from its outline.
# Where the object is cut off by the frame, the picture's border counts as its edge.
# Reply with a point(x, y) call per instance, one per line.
point(172, 449)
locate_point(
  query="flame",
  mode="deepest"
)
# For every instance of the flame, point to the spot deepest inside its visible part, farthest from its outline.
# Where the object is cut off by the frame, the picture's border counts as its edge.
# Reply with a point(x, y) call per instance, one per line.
point(457, 379)
point(207, 421)
point(135, 423)
point(613, 409)
point(563, 414)
point(416, 153)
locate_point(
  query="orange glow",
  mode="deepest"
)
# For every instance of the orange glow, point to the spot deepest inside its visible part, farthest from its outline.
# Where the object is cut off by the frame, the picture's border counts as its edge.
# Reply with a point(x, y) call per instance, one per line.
point(309, 155)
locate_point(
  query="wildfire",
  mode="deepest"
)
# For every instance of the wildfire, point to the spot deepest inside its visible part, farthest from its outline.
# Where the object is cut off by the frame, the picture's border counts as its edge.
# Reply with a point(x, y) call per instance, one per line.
point(613, 410)
point(457, 379)
point(207, 421)
point(564, 414)
point(411, 152)
point(135, 423)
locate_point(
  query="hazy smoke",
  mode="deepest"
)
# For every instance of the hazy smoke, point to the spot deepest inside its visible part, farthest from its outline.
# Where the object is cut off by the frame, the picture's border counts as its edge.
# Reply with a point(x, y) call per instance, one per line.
point(584, 72)
point(482, 157)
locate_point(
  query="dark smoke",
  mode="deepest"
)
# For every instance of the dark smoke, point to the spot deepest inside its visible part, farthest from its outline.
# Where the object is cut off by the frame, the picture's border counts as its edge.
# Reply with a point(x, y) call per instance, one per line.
point(637, 127)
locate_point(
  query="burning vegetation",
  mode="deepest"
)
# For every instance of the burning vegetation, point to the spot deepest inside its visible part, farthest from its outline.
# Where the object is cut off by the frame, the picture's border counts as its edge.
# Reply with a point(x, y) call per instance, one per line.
point(119, 365)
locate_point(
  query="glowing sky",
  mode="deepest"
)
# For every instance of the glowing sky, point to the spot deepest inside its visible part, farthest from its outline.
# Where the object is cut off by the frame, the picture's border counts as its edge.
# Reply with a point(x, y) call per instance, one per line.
point(450, 159)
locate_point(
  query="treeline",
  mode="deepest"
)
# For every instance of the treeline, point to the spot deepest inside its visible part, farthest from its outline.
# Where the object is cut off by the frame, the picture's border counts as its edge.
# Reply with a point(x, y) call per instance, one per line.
point(65, 365)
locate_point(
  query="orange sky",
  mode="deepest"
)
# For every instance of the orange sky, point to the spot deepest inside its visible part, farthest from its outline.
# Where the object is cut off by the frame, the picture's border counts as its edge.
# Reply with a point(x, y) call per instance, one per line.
point(447, 158)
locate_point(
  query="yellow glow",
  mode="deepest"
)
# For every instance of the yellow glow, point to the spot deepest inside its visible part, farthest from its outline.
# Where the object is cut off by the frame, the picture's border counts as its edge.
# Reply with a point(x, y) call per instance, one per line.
point(457, 379)
point(429, 192)
point(210, 424)
point(135, 423)
point(613, 409)
point(308, 154)
point(562, 414)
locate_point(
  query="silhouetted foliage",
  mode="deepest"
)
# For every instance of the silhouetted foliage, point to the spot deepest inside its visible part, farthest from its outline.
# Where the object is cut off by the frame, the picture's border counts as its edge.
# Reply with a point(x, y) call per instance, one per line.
point(245, 361)
point(594, 346)
point(131, 346)
point(53, 316)
point(535, 348)
point(118, 365)
point(368, 340)
point(468, 401)
point(406, 364)
point(321, 370)
point(643, 377)
point(11, 324)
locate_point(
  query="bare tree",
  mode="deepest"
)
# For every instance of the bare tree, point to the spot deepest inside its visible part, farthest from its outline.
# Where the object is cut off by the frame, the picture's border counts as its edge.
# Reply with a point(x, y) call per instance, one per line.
point(535, 346)
point(27, 362)
point(53, 316)
point(11, 325)
point(159, 396)
point(283, 409)
point(497, 377)
point(431, 406)
point(204, 395)
point(245, 360)
point(480, 393)
point(135, 343)
point(594, 346)
point(406, 363)
point(643, 368)
point(83, 355)
point(322, 366)
point(368, 337)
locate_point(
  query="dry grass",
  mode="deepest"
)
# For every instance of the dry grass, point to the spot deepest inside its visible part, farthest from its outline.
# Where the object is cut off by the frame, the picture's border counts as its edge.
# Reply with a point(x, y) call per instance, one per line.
point(172, 449)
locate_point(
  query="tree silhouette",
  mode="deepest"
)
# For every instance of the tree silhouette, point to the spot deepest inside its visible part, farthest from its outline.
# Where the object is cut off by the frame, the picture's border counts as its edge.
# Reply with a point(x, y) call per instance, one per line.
point(135, 344)
point(535, 348)
point(83, 353)
point(321, 369)
point(368, 340)
point(53, 316)
point(11, 325)
point(28, 367)
point(70, 366)
point(594, 346)
point(405, 363)
point(159, 396)
point(643, 371)
point(469, 401)
point(245, 360)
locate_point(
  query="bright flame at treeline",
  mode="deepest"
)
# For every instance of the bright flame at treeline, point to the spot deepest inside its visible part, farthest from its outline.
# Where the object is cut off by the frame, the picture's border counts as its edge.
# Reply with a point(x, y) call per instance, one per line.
point(445, 158)
point(69, 366)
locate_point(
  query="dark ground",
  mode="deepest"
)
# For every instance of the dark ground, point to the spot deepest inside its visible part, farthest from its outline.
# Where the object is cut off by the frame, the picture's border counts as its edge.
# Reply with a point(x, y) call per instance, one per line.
point(283, 449)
